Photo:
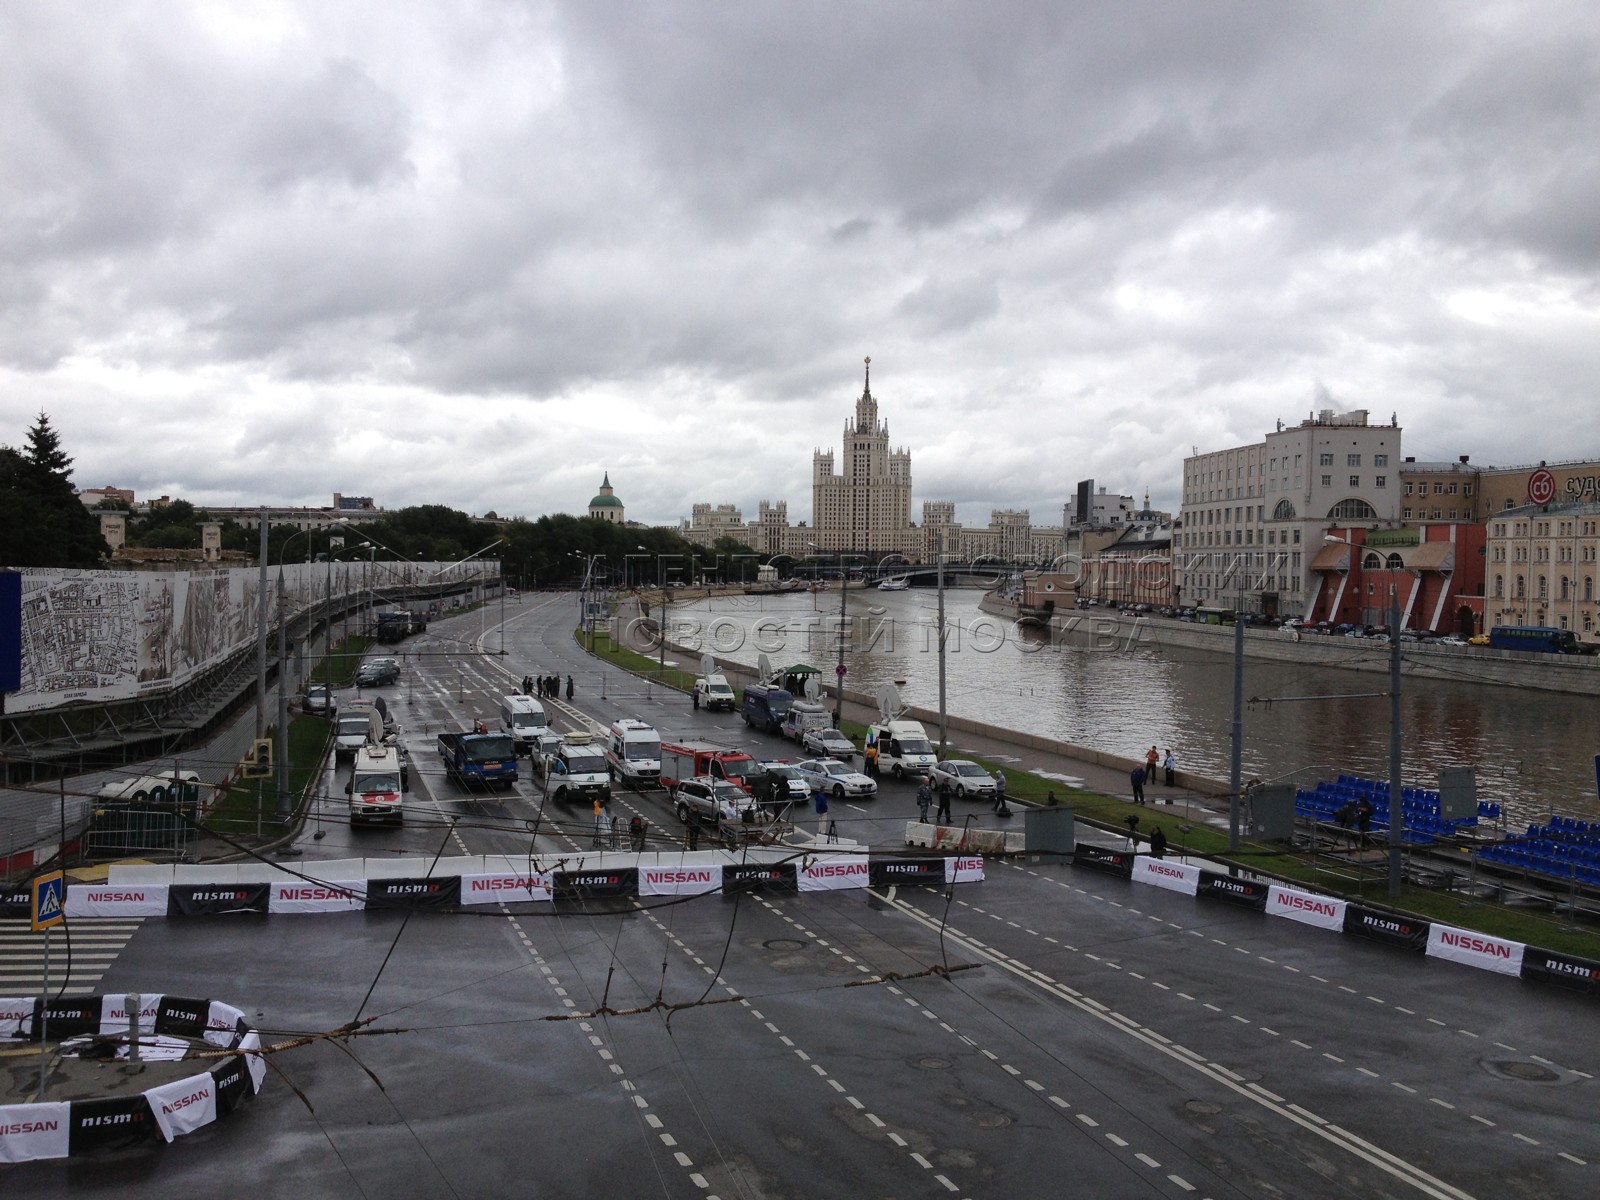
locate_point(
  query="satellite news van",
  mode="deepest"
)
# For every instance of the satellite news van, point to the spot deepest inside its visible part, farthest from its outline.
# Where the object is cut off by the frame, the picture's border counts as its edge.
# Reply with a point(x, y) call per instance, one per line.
point(377, 785)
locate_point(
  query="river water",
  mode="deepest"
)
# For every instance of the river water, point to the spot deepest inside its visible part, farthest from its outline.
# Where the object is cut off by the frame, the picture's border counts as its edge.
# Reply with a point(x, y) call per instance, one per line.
point(1533, 751)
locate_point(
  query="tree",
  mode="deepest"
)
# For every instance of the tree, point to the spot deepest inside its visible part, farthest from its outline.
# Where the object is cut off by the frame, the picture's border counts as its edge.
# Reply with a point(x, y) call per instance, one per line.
point(44, 522)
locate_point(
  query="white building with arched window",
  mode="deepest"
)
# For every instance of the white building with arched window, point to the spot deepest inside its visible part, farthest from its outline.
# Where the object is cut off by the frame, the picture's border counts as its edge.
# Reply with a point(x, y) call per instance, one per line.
point(1541, 567)
point(1254, 516)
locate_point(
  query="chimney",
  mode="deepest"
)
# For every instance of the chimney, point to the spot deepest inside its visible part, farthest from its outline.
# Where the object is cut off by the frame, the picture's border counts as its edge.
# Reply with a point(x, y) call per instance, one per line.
point(1466, 458)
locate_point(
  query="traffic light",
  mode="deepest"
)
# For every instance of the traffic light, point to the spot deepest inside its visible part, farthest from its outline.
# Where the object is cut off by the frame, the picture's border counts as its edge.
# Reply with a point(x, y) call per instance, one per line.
point(258, 763)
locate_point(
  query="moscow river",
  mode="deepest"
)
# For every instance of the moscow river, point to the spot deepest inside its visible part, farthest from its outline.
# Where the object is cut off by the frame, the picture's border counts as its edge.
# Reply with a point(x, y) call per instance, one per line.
point(1534, 751)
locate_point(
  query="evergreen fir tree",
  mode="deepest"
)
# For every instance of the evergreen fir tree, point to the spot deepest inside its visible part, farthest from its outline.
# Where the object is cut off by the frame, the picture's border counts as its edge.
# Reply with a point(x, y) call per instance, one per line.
point(42, 521)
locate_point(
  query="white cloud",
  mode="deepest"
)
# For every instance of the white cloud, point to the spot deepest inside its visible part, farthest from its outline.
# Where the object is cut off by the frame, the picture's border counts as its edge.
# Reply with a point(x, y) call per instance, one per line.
point(478, 255)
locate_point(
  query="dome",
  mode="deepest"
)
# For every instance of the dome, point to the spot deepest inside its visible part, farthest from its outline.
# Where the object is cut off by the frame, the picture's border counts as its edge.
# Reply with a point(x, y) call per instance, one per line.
point(603, 501)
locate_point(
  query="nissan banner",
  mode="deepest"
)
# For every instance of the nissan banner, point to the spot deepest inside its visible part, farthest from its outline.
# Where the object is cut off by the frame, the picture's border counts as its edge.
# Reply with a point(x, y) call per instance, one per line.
point(1306, 907)
point(1252, 892)
point(30, 1131)
point(680, 880)
point(507, 886)
point(885, 871)
point(100, 900)
point(963, 869)
point(1386, 927)
point(206, 899)
point(1475, 949)
point(425, 892)
point(300, 896)
point(1164, 873)
point(835, 873)
point(184, 1106)
point(1545, 966)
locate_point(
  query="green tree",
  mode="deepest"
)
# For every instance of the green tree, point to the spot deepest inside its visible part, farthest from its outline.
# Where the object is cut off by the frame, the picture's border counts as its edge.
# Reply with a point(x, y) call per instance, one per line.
point(44, 522)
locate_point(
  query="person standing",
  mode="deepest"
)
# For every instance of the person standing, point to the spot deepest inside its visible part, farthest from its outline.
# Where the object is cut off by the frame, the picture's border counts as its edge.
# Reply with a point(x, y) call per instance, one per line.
point(569, 687)
point(1158, 843)
point(602, 821)
point(692, 826)
point(1152, 759)
point(1136, 777)
point(819, 801)
point(1000, 806)
point(1170, 766)
point(869, 757)
point(943, 816)
point(924, 799)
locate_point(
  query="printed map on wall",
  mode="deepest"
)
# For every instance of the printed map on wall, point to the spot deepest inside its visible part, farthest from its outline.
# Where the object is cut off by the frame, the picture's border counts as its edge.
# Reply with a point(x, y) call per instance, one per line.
point(115, 635)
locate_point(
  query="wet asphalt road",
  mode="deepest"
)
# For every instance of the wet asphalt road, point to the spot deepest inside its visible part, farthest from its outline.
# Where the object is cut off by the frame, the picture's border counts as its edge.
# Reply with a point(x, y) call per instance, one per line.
point(1091, 1038)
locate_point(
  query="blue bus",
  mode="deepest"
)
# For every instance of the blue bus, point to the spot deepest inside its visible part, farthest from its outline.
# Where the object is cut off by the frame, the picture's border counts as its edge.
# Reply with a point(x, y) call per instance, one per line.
point(1533, 637)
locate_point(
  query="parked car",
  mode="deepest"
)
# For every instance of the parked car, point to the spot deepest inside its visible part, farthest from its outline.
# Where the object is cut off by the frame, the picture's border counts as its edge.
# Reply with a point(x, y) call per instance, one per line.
point(319, 699)
point(965, 777)
point(837, 779)
point(1452, 639)
point(828, 742)
point(1478, 639)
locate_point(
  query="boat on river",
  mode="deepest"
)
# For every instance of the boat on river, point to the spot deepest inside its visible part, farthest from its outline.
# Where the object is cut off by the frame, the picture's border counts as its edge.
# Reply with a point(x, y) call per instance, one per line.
point(899, 584)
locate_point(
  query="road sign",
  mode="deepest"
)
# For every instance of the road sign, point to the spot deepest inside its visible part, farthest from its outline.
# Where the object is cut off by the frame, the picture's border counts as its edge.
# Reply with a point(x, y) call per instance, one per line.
point(49, 900)
point(839, 670)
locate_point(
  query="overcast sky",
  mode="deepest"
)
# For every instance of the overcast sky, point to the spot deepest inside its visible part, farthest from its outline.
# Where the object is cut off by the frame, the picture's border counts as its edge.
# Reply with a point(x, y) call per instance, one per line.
point(479, 253)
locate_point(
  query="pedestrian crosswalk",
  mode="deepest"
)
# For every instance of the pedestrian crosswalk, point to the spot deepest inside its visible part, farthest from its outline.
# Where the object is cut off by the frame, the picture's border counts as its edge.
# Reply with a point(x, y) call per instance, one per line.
point(79, 956)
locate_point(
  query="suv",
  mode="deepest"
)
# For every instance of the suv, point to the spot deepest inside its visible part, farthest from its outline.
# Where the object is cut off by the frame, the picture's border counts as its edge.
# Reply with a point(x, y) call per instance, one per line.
point(714, 799)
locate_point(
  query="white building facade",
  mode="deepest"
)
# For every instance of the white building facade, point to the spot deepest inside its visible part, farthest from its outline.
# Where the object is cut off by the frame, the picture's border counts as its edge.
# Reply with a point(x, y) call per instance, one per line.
point(866, 507)
point(1254, 516)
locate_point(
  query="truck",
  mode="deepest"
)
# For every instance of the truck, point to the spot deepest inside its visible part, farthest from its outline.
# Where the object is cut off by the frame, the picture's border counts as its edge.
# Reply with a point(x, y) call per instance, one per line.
point(377, 785)
point(479, 758)
point(903, 748)
point(357, 725)
point(571, 767)
point(689, 760)
point(765, 707)
point(633, 754)
point(804, 715)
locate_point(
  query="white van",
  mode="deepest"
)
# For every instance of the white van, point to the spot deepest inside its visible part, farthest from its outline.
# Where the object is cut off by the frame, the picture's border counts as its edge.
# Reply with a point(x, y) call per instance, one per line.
point(524, 719)
point(804, 715)
point(903, 748)
point(357, 725)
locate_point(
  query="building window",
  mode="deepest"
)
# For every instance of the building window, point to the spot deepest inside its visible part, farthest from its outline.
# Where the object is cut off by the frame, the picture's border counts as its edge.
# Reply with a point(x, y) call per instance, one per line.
point(1452, 489)
point(1380, 460)
point(1323, 460)
point(1327, 481)
point(1588, 587)
point(1522, 590)
point(1355, 481)
point(1566, 587)
point(1499, 587)
point(1544, 588)
point(1371, 562)
point(1408, 489)
point(1352, 460)
point(1466, 489)
point(1405, 514)
point(1352, 510)
point(1381, 481)
point(1438, 488)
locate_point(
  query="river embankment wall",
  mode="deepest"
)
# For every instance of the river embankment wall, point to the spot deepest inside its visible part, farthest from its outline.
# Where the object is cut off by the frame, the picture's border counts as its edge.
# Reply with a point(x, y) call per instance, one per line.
point(1575, 674)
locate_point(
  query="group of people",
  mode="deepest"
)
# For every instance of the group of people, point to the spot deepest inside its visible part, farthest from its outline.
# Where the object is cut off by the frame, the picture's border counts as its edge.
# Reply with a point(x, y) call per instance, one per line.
point(926, 793)
point(1153, 761)
point(549, 686)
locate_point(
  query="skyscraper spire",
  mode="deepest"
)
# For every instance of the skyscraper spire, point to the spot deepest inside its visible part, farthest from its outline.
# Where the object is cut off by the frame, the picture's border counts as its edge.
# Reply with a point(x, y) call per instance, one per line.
point(866, 388)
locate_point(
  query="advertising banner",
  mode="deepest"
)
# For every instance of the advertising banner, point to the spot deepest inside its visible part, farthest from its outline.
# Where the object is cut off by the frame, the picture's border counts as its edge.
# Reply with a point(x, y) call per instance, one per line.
point(109, 1122)
point(16, 1018)
point(1118, 862)
point(109, 900)
point(680, 880)
point(254, 1063)
point(224, 1023)
point(1249, 892)
point(1306, 907)
point(414, 893)
point(963, 869)
point(184, 1106)
point(757, 877)
point(298, 896)
point(68, 1018)
point(882, 872)
point(835, 873)
point(1543, 966)
point(509, 886)
point(181, 1017)
point(1164, 873)
point(231, 1081)
point(594, 885)
point(16, 904)
point(114, 1013)
point(31, 1131)
point(1475, 949)
point(209, 900)
point(1387, 927)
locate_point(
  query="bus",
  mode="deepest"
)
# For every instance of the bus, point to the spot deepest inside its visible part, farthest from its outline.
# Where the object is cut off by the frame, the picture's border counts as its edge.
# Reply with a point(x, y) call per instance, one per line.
point(1533, 637)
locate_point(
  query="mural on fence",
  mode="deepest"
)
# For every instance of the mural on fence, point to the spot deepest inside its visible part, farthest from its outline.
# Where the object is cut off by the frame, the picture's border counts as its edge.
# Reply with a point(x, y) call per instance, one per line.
point(116, 635)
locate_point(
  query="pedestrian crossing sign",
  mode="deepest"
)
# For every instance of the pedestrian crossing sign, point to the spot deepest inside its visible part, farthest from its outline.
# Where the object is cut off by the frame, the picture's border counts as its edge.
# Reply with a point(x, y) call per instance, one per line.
point(49, 900)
